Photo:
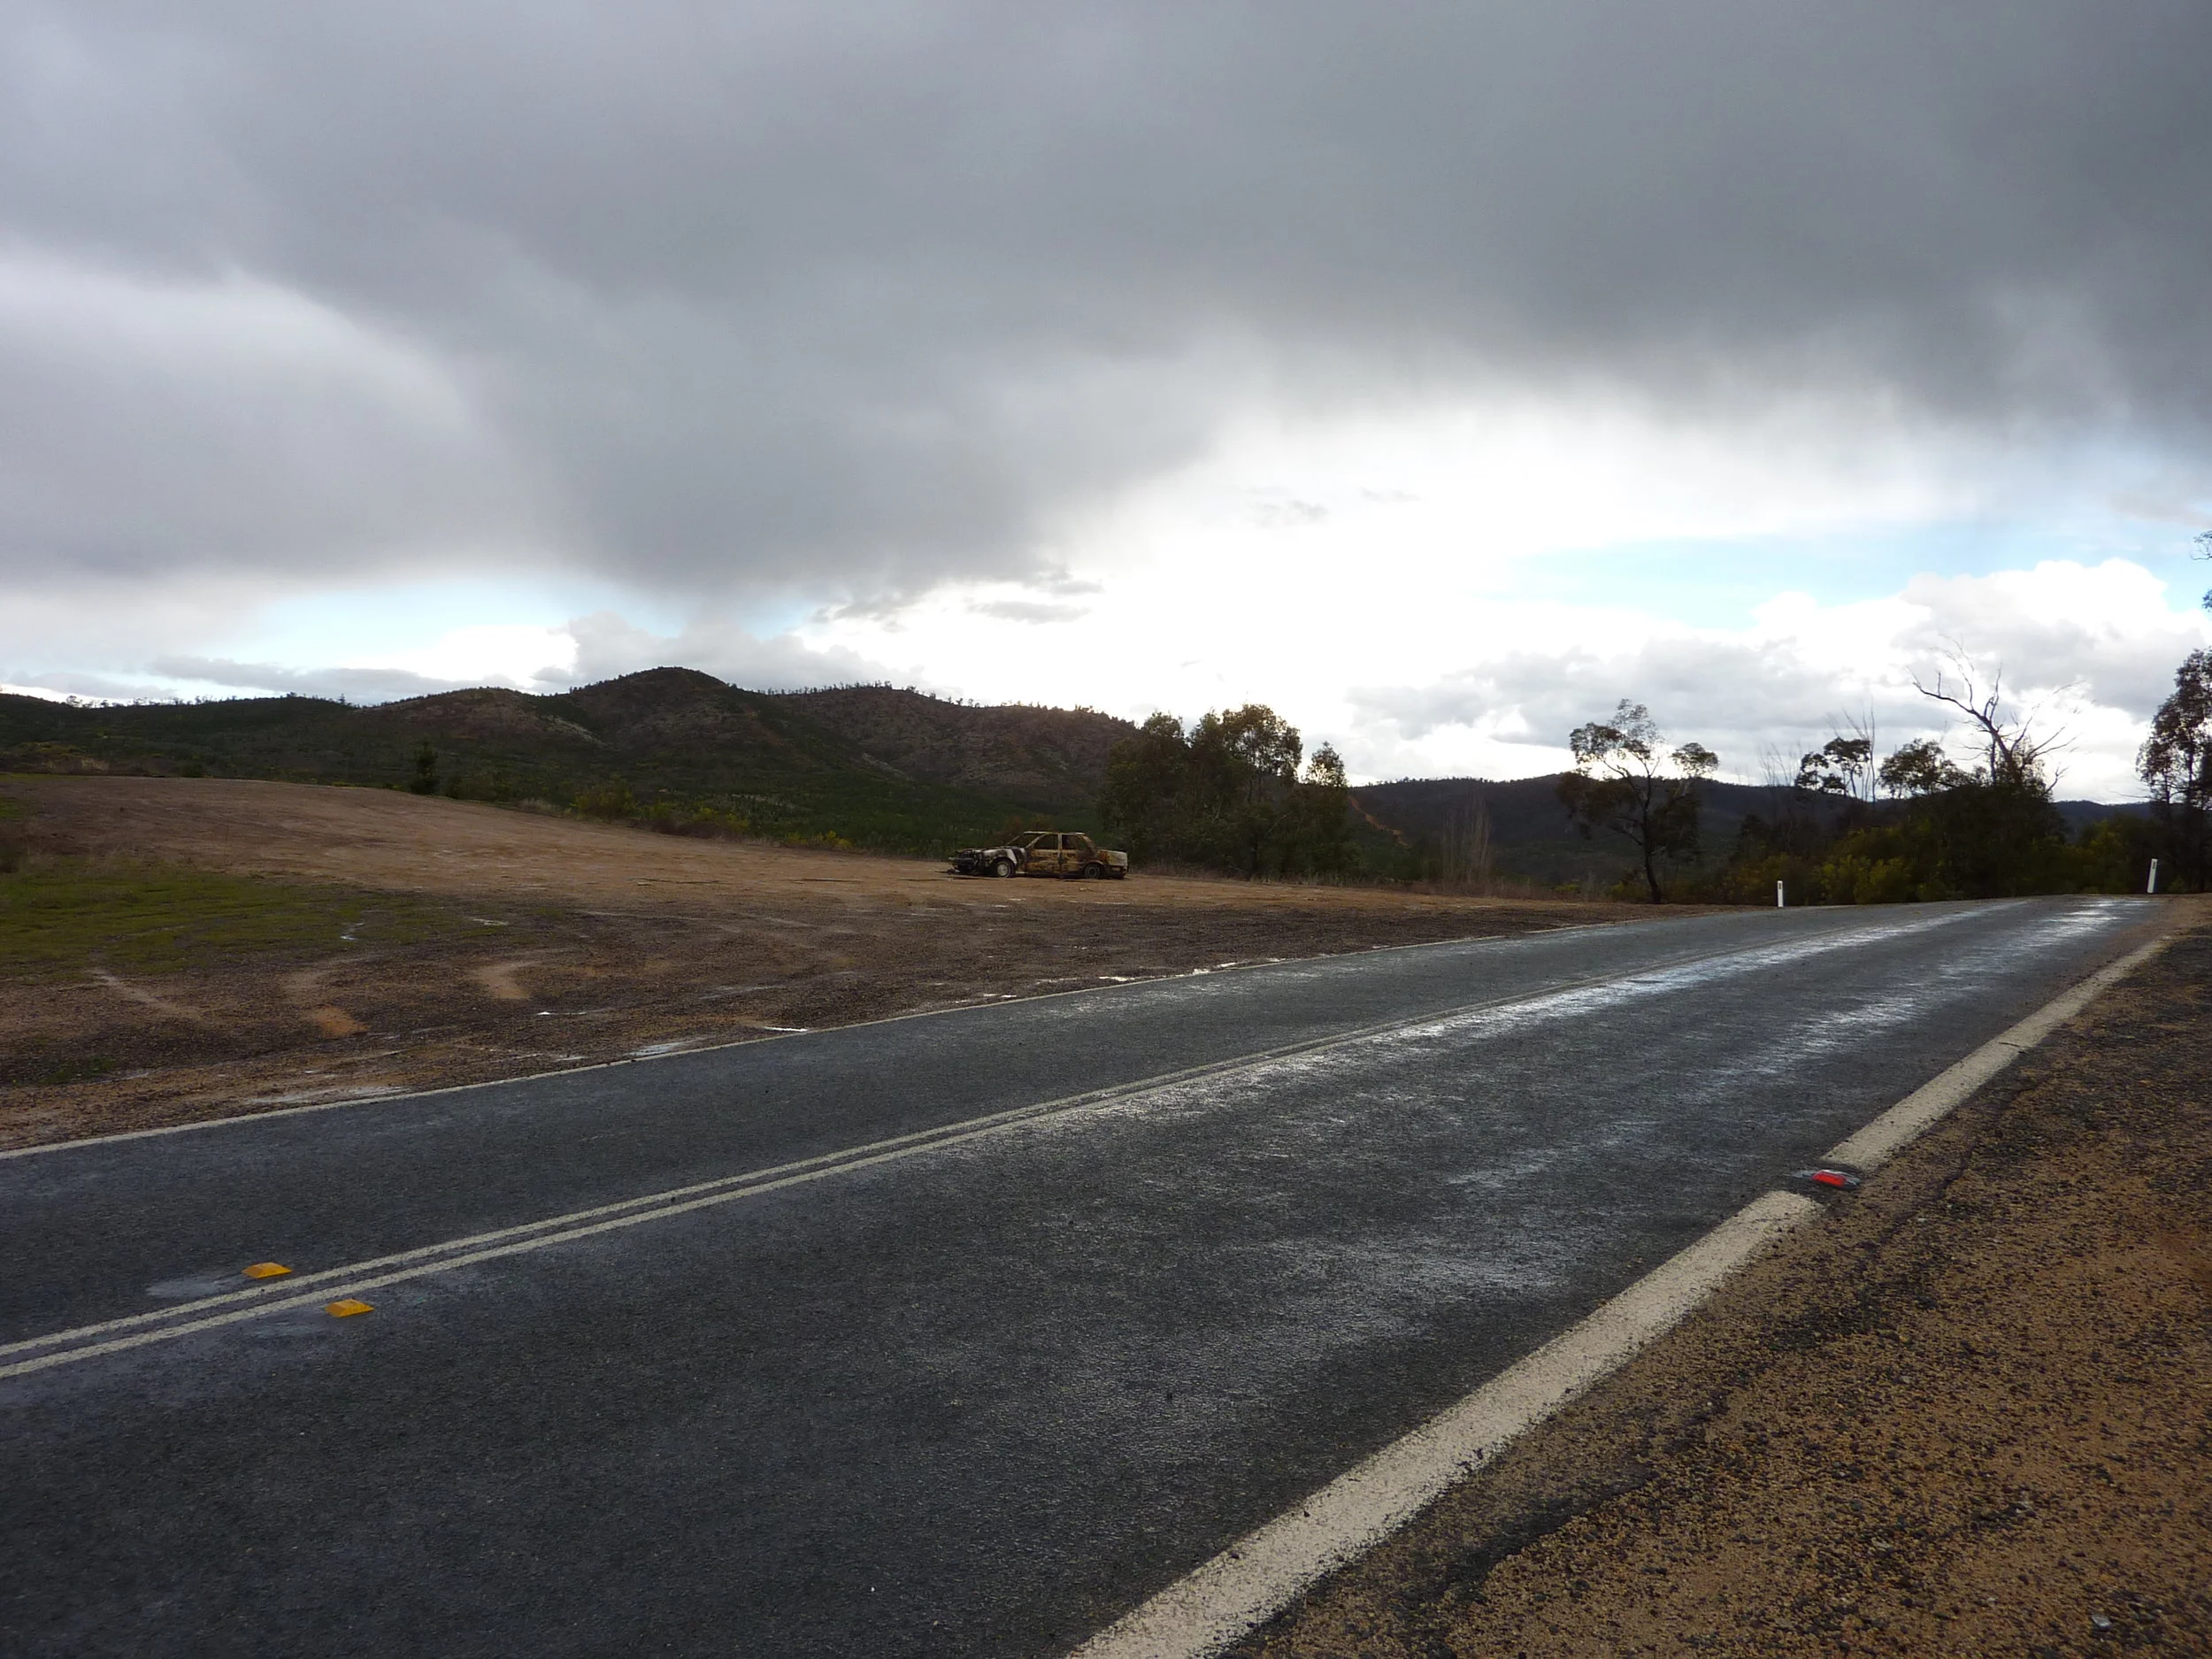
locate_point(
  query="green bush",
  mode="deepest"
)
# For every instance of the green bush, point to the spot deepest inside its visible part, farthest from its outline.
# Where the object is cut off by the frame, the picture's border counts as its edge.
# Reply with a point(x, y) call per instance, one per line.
point(608, 801)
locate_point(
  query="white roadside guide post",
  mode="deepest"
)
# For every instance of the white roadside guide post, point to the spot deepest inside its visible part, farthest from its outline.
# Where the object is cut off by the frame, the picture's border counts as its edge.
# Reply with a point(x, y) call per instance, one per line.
point(2153, 885)
point(1777, 889)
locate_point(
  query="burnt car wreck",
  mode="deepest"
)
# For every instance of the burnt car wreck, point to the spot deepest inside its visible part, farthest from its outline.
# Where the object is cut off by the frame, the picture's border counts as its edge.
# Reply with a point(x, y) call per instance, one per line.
point(1063, 853)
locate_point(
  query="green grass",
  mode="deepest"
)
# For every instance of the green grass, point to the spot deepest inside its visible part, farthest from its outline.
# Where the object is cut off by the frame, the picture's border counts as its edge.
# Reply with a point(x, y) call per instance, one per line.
point(61, 916)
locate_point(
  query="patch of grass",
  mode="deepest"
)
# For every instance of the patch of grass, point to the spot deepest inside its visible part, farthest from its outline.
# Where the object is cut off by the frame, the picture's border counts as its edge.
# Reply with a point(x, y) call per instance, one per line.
point(14, 841)
point(88, 1070)
point(60, 917)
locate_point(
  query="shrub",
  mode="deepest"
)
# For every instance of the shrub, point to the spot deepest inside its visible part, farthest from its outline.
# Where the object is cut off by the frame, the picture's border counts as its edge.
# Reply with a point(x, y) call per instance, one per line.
point(608, 801)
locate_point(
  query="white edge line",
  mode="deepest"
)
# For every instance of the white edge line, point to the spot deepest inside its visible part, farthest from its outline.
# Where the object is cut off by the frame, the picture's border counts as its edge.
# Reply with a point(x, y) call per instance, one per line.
point(1266, 1570)
point(1261, 1574)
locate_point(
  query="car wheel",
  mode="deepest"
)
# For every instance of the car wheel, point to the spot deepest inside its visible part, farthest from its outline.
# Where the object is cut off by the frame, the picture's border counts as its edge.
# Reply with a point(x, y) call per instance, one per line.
point(1093, 873)
point(1003, 867)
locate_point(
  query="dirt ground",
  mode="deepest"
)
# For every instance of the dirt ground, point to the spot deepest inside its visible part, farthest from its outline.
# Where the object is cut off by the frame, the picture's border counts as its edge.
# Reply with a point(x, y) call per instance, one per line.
point(571, 942)
point(1969, 1412)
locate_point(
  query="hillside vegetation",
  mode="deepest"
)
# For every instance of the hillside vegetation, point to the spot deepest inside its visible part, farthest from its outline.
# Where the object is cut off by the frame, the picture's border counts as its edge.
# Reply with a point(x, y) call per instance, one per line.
point(898, 771)
point(868, 766)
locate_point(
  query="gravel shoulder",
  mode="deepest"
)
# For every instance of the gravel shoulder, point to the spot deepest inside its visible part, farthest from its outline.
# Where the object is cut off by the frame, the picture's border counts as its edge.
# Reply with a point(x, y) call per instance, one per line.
point(1970, 1411)
point(497, 944)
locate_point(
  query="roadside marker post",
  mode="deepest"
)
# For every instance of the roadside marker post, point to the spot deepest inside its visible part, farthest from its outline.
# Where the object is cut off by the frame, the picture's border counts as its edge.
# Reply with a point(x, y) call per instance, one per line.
point(1777, 897)
point(2153, 886)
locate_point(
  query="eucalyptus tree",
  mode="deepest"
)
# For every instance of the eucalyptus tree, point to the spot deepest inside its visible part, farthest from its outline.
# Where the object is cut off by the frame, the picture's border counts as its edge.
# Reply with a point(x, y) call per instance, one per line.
point(1626, 779)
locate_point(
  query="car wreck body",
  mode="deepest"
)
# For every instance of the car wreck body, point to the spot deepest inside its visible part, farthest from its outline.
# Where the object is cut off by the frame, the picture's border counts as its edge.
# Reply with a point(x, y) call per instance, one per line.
point(1063, 853)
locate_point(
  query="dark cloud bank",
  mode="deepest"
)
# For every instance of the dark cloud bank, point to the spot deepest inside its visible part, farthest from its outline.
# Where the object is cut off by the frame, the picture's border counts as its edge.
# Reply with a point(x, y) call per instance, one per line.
point(835, 301)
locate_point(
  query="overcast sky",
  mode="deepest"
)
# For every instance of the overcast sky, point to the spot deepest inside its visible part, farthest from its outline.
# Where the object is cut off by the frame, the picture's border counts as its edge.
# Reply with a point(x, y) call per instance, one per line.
point(1439, 374)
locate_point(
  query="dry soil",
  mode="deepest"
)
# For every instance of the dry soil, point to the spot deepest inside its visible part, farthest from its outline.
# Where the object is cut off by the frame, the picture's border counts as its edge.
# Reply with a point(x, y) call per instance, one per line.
point(573, 943)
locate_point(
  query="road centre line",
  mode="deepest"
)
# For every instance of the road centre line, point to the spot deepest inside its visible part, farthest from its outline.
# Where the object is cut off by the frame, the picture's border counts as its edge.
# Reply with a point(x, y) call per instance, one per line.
point(275, 1296)
point(47, 1148)
point(1266, 1571)
point(51, 1146)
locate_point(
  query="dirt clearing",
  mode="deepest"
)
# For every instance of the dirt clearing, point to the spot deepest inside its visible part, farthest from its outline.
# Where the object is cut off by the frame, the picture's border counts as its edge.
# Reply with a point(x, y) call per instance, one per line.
point(180, 948)
point(1967, 1412)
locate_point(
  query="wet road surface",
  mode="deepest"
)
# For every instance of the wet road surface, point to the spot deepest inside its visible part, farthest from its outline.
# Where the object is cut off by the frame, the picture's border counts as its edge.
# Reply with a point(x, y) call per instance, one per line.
point(958, 1334)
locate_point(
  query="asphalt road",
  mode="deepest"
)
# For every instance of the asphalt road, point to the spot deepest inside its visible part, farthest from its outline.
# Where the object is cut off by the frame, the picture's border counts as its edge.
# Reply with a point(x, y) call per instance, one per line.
point(928, 1384)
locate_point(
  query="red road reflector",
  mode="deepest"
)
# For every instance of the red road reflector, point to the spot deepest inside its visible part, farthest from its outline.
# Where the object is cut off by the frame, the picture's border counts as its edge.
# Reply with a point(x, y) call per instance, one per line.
point(1836, 1180)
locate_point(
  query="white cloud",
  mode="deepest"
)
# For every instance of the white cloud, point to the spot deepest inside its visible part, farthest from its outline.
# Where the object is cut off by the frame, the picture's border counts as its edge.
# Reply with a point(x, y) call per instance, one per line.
point(2088, 651)
point(607, 644)
point(1407, 616)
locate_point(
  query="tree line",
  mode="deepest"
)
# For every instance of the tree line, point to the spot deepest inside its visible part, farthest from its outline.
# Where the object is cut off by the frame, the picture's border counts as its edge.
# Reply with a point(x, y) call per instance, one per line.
point(1917, 823)
point(1234, 791)
point(1229, 793)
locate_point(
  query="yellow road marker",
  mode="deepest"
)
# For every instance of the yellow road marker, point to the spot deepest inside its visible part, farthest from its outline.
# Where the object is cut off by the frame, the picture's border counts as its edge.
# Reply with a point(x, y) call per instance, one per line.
point(267, 1270)
point(346, 1308)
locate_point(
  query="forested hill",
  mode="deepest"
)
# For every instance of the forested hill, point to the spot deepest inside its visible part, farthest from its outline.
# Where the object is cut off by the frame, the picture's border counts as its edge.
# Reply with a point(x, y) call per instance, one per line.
point(1531, 836)
point(870, 764)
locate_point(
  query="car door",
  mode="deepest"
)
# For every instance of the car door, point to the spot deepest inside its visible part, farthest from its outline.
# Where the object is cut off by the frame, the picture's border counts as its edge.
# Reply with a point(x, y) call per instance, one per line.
point(1044, 857)
point(1077, 851)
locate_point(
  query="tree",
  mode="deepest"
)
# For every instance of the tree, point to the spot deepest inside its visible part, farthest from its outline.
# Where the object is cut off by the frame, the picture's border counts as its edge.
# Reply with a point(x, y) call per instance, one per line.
point(1626, 781)
point(1146, 777)
point(2204, 552)
point(1994, 824)
point(2176, 762)
point(2012, 755)
point(425, 779)
point(1321, 829)
point(1243, 767)
point(1920, 768)
point(1227, 792)
point(1842, 766)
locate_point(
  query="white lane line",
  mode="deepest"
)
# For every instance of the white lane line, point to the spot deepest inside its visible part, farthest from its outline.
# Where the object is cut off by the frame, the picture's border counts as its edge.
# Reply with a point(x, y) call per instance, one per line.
point(1205, 1612)
point(277, 1296)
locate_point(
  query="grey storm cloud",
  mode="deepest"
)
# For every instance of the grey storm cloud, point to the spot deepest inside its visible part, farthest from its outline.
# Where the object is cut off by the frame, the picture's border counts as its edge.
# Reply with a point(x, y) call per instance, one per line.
point(840, 301)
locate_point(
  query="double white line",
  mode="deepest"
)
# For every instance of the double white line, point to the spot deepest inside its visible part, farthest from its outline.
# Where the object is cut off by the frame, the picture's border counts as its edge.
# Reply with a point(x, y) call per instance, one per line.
point(304, 1290)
